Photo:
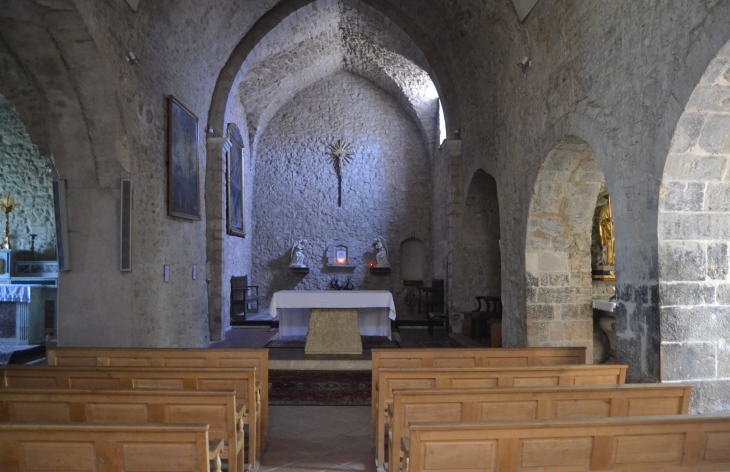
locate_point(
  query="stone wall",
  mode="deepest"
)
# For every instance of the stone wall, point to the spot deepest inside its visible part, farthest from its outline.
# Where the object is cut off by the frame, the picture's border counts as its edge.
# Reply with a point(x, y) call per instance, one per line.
point(386, 189)
point(23, 176)
point(694, 224)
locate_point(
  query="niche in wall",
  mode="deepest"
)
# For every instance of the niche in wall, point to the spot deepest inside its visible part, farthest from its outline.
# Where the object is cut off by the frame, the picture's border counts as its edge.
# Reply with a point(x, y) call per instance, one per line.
point(413, 261)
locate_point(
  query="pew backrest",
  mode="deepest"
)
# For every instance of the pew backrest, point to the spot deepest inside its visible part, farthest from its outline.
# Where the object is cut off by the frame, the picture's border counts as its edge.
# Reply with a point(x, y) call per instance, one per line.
point(133, 448)
point(240, 380)
point(67, 406)
point(471, 357)
point(483, 377)
point(667, 443)
point(150, 357)
point(533, 403)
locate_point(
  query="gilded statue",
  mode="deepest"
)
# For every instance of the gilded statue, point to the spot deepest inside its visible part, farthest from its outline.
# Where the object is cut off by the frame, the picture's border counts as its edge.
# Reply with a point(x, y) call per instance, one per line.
point(605, 230)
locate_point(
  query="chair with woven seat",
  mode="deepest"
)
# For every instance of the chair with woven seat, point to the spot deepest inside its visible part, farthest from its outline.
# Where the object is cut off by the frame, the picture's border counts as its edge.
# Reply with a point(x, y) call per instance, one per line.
point(487, 314)
point(244, 297)
point(431, 299)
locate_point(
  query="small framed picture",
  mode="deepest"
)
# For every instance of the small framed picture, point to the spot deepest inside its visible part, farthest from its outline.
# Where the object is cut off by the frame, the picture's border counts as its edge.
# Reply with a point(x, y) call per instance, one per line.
point(183, 175)
point(235, 221)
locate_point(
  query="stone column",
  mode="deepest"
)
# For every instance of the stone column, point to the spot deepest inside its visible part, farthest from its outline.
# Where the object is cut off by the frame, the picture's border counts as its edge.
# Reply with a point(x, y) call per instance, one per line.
point(446, 217)
point(215, 185)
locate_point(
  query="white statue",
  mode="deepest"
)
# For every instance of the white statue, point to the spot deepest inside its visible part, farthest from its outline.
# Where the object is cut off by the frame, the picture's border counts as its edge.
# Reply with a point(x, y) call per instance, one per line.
point(297, 254)
point(381, 252)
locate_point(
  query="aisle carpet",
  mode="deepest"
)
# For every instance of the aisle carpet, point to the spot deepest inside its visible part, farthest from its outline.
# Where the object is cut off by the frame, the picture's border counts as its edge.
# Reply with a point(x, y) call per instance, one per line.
point(319, 387)
point(368, 342)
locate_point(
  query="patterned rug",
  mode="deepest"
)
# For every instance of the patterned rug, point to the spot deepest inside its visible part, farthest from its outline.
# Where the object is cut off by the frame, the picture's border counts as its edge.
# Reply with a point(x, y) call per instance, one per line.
point(320, 387)
point(368, 342)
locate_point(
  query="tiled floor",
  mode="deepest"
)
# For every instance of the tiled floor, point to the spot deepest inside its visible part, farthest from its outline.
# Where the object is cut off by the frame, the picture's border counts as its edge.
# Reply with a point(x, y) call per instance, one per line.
point(318, 438)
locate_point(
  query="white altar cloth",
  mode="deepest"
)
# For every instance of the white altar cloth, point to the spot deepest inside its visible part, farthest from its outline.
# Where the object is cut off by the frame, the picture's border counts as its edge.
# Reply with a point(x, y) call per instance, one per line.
point(15, 293)
point(375, 309)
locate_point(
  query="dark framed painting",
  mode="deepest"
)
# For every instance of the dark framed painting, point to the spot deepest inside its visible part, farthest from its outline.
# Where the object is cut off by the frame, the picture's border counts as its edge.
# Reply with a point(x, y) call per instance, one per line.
point(183, 174)
point(236, 221)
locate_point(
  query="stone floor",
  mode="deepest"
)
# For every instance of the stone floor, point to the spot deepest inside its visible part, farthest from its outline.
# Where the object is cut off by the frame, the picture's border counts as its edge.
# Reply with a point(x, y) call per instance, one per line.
point(318, 438)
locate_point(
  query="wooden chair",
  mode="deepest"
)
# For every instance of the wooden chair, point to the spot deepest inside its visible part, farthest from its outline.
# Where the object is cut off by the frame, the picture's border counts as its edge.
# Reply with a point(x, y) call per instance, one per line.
point(528, 403)
point(104, 448)
point(679, 443)
point(244, 297)
point(489, 309)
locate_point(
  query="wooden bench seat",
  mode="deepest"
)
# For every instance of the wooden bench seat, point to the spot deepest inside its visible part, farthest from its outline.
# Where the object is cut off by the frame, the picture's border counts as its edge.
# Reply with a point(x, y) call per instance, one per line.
point(483, 377)
point(470, 357)
point(63, 406)
point(533, 403)
point(130, 448)
point(240, 380)
point(152, 357)
point(691, 443)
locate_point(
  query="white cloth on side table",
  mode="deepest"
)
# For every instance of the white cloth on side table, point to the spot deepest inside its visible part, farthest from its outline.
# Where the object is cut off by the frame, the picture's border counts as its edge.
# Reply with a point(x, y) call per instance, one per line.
point(375, 309)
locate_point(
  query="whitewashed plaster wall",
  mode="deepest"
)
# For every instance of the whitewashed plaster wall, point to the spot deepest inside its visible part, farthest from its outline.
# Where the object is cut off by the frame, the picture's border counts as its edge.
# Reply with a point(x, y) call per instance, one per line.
point(23, 176)
point(386, 189)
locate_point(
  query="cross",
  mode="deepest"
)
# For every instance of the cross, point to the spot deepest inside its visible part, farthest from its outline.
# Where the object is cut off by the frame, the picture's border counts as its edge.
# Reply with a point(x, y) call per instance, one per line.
point(339, 154)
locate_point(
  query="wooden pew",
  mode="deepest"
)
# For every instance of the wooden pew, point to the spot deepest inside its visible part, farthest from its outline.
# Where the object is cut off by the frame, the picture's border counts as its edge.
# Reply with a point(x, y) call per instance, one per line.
point(131, 448)
point(151, 357)
point(471, 357)
point(64, 406)
point(691, 443)
point(532, 403)
point(240, 380)
point(483, 377)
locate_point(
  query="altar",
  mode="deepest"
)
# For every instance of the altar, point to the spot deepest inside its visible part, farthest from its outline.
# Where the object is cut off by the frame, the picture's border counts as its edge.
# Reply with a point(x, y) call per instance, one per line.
point(375, 309)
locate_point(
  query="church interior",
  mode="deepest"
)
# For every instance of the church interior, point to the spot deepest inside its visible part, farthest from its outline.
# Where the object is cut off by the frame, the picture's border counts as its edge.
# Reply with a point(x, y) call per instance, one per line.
point(370, 235)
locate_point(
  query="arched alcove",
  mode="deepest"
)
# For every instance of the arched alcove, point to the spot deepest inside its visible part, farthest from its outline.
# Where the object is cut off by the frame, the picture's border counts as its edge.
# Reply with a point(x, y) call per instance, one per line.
point(477, 258)
point(693, 233)
point(558, 247)
point(413, 261)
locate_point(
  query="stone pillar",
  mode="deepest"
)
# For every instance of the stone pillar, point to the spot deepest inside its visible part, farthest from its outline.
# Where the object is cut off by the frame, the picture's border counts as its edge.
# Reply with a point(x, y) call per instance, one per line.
point(454, 209)
point(215, 185)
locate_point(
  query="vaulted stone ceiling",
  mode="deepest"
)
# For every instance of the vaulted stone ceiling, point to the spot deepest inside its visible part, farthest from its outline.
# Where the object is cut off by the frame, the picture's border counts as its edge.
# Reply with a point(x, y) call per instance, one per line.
point(320, 40)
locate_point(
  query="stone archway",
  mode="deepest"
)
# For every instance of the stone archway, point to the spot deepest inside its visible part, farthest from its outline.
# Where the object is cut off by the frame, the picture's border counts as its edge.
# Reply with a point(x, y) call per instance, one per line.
point(477, 262)
point(557, 248)
point(693, 234)
point(273, 64)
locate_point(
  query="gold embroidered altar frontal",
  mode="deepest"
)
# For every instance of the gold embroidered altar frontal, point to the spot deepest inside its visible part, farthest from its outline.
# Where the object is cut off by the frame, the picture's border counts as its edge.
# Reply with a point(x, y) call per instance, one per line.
point(333, 331)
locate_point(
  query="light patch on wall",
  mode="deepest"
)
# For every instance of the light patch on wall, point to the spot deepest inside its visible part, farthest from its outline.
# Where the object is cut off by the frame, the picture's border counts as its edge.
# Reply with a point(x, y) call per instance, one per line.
point(442, 123)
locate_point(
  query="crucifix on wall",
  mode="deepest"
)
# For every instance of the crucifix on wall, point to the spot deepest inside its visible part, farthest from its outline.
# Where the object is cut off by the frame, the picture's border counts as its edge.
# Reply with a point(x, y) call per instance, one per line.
point(339, 154)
